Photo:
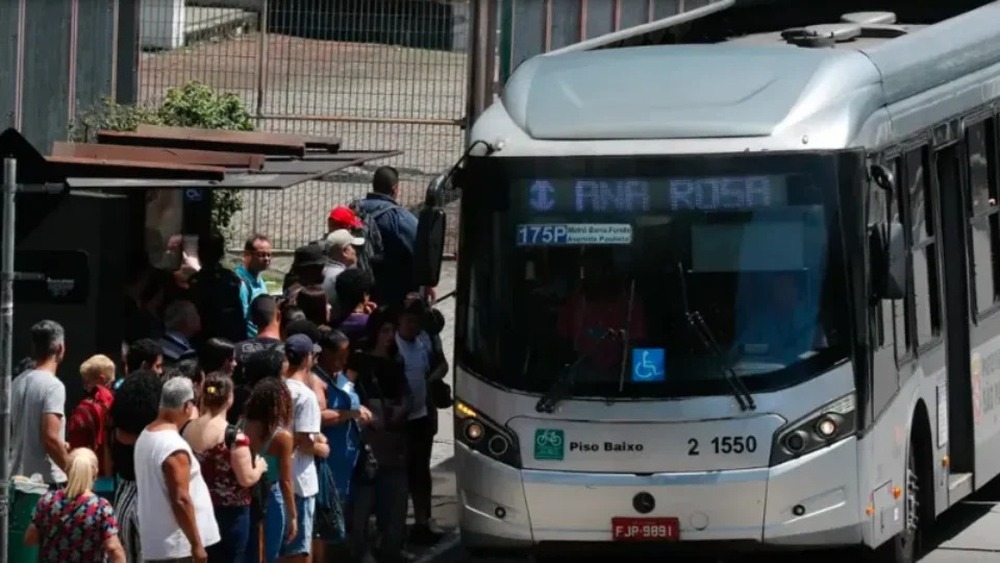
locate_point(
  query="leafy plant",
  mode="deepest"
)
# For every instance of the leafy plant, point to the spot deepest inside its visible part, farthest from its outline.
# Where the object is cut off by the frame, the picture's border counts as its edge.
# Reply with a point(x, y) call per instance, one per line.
point(192, 105)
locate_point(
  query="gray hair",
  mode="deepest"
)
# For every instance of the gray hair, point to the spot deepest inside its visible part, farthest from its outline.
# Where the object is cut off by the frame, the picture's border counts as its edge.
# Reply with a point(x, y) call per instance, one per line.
point(46, 339)
point(175, 393)
point(179, 312)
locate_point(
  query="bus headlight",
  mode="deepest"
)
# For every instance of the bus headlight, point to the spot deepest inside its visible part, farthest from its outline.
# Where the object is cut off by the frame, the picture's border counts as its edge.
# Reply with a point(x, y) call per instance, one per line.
point(473, 431)
point(824, 426)
point(485, 436)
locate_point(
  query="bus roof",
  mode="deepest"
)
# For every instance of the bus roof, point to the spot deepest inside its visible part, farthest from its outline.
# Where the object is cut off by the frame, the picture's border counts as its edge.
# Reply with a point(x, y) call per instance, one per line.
point(750, 84)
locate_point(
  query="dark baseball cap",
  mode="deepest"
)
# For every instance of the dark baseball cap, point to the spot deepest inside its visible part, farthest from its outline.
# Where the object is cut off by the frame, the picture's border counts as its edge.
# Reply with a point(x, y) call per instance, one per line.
point(310, 255)
point(300, 345)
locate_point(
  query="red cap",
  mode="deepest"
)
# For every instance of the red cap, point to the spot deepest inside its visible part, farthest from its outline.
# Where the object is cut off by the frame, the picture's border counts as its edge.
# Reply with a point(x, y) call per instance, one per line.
point(344, 216)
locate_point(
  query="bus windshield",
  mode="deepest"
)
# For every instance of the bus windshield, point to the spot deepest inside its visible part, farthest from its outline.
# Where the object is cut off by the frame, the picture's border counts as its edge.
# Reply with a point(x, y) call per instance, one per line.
point(599, 265)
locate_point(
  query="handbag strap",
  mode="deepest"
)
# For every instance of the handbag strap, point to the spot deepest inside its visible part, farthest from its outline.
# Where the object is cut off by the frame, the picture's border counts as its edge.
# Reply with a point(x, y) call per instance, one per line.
point(242, 425)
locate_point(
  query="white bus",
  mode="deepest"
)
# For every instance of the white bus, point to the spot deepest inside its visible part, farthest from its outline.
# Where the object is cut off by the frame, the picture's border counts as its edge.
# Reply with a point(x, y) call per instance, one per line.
point(731, 281)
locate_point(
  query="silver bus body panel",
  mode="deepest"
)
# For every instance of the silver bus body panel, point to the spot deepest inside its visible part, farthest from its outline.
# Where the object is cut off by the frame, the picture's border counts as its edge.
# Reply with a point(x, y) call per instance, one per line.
point(986, 408)
point(877, 98)
point(749, 504)
point(729, 91)
point(938, 54)
point(790, 404)
point(714, 497)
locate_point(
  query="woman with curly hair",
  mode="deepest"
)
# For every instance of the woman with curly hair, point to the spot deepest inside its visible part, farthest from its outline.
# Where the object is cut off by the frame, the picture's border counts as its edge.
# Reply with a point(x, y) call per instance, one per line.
point(136, 404)
point(267, 419)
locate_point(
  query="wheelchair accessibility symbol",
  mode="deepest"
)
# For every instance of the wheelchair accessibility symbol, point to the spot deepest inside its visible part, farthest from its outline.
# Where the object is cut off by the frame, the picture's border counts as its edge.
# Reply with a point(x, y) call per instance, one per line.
point(648, 365)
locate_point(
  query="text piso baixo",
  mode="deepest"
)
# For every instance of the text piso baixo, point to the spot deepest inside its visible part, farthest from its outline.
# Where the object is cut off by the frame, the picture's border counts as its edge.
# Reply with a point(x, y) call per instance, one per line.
point(604, 447)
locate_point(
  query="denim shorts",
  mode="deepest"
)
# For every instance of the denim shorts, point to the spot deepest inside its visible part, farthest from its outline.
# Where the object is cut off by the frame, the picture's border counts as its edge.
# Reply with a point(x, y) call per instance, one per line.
point(301, 544)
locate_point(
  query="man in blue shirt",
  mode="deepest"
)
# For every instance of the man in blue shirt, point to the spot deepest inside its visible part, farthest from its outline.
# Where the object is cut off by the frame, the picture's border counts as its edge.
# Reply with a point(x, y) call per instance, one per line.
point(781, 323)
point(256, 259)
point(182, 324)
point(398, 229)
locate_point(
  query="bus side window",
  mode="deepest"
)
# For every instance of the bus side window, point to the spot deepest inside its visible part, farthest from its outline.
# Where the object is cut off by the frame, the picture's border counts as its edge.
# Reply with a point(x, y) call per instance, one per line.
point(923, 256)
point(881, 309)
point(984, 220)
point(898, 310)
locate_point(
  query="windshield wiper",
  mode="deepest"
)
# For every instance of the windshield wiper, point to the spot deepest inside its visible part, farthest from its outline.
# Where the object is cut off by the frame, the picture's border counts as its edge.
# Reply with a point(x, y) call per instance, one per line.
point(561, 388)
point(564, 384)
point(704, 334)
point(567, 378)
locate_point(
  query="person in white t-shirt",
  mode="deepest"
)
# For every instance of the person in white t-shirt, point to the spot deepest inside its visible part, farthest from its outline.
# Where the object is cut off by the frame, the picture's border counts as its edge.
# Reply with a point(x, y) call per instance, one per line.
point(169, 482)
point(309, 442)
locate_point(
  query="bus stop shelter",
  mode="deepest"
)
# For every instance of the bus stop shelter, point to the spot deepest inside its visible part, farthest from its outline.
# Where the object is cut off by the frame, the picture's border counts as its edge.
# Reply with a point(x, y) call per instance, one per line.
point(85, 209)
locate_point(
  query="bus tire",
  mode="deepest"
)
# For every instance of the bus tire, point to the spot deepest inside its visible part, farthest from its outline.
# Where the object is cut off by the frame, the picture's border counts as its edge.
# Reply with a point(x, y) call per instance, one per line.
point(905, 547)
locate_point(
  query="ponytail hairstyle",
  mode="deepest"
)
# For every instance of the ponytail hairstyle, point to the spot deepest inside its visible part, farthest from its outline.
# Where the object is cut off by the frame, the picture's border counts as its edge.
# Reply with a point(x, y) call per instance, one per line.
point(216, 391)
point(82, 472)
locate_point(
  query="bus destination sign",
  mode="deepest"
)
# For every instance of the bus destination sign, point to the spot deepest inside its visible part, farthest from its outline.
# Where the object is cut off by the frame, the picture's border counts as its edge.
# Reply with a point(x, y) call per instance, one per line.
point(573, 234)
point(582, 195)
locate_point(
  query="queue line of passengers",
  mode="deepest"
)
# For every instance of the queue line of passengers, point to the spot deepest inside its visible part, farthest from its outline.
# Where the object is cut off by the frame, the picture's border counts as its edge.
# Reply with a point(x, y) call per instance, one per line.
point(277, 446)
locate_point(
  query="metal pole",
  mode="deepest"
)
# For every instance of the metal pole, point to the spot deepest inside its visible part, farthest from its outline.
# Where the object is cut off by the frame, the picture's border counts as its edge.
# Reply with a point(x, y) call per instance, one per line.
point(6, 343)
point(480, 86)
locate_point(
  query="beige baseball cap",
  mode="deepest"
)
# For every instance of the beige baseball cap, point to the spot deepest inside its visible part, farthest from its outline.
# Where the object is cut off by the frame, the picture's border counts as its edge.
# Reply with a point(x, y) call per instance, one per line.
point(342, 237)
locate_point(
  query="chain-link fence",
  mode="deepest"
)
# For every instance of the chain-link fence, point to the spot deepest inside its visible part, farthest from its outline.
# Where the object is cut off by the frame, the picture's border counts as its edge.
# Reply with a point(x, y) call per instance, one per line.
point(378, 74)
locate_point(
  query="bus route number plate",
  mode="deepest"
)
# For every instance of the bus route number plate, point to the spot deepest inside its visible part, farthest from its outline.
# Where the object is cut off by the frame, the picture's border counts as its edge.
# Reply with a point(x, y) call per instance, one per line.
point(644, 529)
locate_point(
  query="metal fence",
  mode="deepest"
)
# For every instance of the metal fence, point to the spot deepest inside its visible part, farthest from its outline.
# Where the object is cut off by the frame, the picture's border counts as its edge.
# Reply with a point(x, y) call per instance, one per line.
point(530, 27)
point(381, 75)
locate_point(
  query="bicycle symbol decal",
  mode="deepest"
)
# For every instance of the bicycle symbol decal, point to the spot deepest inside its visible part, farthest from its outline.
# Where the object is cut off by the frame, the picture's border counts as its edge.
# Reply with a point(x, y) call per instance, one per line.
point(548, 438)
point(549, 444)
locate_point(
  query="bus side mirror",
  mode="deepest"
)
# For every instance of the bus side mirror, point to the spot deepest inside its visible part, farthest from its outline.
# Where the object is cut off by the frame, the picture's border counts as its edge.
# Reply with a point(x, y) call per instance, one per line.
point(888, 260)
point(429, 251)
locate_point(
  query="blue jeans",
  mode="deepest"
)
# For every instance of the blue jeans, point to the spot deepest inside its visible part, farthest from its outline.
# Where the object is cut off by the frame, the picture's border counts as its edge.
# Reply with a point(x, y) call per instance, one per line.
point(301, 544)
point(234, 531)
point(274, 529)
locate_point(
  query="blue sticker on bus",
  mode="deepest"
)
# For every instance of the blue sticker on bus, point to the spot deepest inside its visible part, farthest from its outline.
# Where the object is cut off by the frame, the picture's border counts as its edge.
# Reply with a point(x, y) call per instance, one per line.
point(649, 365)
point(580, 233)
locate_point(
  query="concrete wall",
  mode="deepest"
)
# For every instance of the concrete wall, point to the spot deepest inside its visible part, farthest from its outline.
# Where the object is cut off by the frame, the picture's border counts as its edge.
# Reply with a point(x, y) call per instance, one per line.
point(58, 58)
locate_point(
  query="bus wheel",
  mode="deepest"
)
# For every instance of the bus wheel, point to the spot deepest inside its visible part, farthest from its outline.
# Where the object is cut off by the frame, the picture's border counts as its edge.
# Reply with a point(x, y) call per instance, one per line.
point(905, 547)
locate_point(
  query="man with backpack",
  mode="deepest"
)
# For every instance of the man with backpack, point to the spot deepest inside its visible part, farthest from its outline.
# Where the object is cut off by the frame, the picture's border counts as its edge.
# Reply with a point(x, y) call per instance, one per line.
point(215, 292)
point(390, 233)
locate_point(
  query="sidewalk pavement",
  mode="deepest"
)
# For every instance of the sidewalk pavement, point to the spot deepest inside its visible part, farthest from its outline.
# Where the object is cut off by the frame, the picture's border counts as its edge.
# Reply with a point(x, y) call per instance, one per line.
point(444, 509)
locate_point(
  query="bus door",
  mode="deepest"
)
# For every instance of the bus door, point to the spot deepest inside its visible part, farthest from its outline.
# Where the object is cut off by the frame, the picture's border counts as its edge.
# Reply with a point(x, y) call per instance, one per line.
point(950, 199)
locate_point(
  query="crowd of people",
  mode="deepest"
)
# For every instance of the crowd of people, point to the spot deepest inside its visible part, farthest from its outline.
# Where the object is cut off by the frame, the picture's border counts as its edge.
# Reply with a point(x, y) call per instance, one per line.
point(247, 426)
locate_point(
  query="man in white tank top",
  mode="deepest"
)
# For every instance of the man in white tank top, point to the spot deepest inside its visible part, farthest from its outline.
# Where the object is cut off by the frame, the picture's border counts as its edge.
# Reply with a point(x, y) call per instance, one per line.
point(176, 520)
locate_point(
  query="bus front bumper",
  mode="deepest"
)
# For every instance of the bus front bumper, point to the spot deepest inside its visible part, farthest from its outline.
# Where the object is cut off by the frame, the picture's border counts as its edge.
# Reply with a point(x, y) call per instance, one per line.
point(812, 501)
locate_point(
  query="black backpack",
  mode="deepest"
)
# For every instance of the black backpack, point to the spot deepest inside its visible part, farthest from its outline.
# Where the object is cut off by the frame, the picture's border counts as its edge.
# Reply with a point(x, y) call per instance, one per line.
point(373, 252)
point(216, 295)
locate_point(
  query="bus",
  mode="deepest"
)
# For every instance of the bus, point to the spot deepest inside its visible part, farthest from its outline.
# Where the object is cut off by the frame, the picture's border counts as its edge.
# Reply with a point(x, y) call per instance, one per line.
point(730, 281)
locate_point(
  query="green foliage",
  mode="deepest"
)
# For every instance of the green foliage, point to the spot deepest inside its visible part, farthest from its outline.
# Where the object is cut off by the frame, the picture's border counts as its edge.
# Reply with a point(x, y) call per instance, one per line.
point(197, 105)
point(113, 116)
point(192, 105)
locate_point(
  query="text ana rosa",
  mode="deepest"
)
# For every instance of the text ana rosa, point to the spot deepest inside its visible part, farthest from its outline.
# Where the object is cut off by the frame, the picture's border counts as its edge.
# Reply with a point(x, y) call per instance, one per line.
point(604, 447)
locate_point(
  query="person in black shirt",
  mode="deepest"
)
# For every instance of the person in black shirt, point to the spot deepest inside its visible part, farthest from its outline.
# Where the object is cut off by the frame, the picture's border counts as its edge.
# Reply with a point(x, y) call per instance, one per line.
point(136, 404)
point(264, 313)
point(381, 385)
point(144, 354)
point(217, 354)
